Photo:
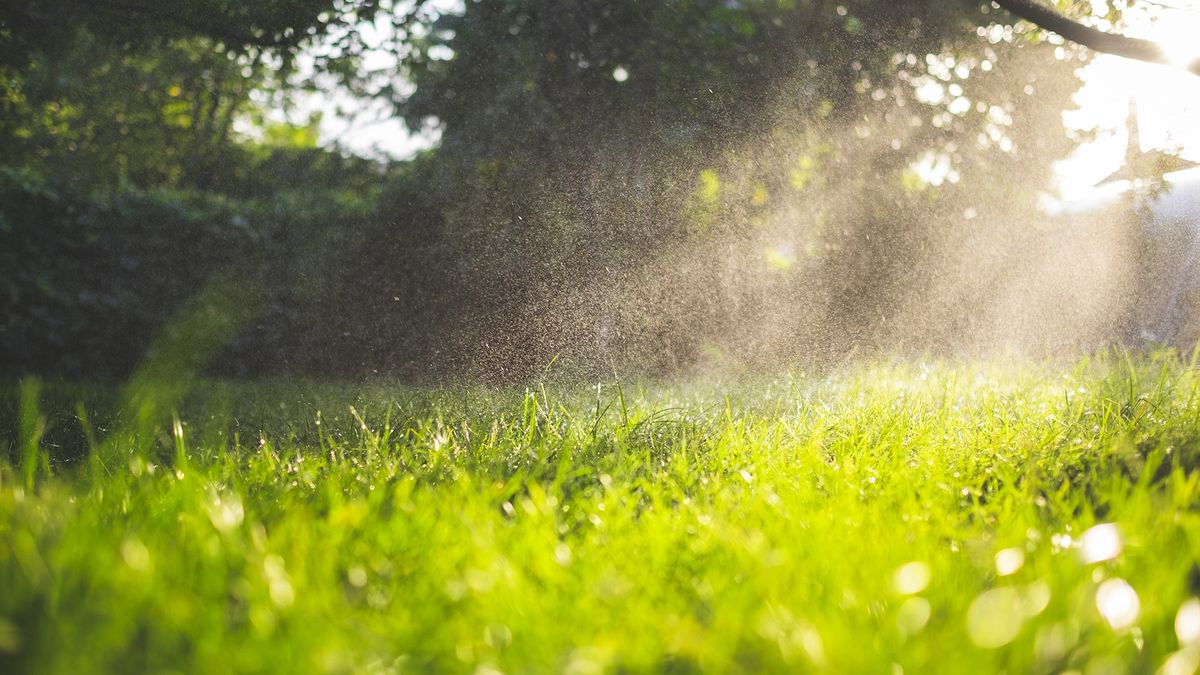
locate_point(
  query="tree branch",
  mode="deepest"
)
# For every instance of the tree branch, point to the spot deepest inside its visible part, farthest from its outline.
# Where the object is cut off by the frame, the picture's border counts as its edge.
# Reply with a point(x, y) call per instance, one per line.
point(1097, 40)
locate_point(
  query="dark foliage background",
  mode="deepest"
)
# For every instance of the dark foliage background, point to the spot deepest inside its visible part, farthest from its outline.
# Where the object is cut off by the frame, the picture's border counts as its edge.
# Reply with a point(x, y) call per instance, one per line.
point(742, 192)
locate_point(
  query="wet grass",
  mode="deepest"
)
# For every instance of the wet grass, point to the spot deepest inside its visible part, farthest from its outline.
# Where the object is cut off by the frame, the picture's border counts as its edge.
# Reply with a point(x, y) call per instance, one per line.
point(936, 518)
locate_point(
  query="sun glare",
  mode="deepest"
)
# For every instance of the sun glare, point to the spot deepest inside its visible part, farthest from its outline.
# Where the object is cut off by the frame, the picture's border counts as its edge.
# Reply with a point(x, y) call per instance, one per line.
point(1166, 100)
point(1177, 35)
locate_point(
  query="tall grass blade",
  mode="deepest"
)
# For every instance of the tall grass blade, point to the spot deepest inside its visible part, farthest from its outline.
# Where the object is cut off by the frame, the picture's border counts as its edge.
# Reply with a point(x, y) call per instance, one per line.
point(31, 428)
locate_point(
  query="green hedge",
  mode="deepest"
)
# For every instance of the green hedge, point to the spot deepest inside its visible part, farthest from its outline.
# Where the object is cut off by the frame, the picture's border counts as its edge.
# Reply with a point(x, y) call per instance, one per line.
point(89, 280)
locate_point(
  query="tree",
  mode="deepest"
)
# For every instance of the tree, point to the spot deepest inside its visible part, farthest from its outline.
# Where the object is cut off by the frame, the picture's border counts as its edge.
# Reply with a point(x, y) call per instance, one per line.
point(131, 91)
point(616, 181)
point(658, 177)
point(124, 184)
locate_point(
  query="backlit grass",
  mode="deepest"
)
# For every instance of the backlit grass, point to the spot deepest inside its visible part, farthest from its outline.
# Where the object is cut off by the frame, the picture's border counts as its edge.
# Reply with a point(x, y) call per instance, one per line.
point(948, 518)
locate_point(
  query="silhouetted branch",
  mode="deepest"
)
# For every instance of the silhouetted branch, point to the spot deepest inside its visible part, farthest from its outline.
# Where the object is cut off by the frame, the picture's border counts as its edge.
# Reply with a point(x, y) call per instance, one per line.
point(1098, 40)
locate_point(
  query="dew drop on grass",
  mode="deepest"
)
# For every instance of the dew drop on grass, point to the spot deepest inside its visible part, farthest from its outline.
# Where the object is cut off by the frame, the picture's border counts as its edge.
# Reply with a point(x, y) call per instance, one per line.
point(562, 554)
point(497, 636)
point(911, 578)
point(913, 615)
point(1186, 661)
point(282, 593)
point(1061, 542)
point(135, 554)
point(1187, 623)
point(1035, 598)
point(1118, 603)
point(225, 510)
point(1009, 560)
point(995, 617)
point(279, 585)
point(1100, 543)
point(813, 645)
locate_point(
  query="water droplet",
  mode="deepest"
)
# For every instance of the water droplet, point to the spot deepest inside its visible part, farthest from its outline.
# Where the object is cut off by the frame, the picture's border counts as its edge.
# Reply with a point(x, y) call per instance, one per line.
point(282, 593)
point(1187, 622)
point(562, 553)
point(1009, 561)
point(1035, 598)
point(1183, 662)
point(277, 581)
point(1100, 543)
point(913, 615)
point(813, 645)
point(135, 554)
point(995, 617)
point(911, 578)
point(225, 510)
point(1118, 603)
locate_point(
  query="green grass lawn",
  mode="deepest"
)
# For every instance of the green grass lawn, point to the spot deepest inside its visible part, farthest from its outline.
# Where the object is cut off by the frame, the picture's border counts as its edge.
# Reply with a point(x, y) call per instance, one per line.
point(905, 518)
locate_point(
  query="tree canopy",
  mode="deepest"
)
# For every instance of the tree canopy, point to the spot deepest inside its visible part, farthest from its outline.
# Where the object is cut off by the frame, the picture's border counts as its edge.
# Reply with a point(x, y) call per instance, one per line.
point(654, 175)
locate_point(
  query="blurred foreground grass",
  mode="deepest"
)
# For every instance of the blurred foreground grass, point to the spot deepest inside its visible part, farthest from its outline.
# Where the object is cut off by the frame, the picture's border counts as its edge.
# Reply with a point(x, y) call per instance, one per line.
point(916, 518)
